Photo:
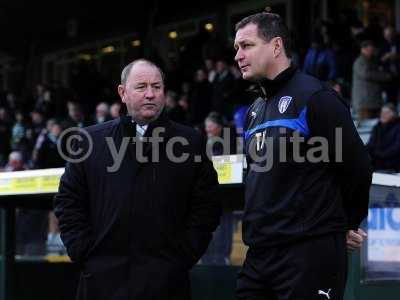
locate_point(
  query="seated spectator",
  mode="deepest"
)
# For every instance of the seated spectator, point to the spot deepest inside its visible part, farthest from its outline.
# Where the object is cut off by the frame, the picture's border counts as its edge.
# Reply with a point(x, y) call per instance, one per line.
point(384, 143)
point(368, 83)
point(102, 113)
point(15, 162)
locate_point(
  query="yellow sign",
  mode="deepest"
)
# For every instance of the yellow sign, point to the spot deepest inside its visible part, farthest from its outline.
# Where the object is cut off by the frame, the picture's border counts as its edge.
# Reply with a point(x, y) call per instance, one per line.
point(224, 171)
point(30, 182)
point(229, 168)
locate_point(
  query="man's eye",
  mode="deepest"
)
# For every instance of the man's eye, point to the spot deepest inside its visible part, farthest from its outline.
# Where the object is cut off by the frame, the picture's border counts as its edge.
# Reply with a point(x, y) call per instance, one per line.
point(140, 87)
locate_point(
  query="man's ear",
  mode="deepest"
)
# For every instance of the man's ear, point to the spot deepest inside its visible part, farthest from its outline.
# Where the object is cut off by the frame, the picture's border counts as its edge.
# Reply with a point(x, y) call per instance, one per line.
point(121, 92)
point(278, 46)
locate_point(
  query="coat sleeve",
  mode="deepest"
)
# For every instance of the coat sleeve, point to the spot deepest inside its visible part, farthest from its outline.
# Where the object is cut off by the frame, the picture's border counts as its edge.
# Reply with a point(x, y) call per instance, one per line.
point(329, 117)
point(205, 208)
point(71, 209)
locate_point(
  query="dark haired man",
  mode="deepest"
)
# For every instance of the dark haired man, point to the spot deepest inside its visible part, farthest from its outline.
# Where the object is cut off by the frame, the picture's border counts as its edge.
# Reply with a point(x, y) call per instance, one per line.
point(299, 207)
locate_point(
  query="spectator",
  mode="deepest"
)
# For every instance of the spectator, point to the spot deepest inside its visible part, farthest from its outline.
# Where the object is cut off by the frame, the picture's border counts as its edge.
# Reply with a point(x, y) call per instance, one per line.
point(367, 83)
point(210, 67)
point(391, 61)
point(5, 135)
point(320, 61)
point(102, 113)
point(214, 127)
point(223, 86)
point(38, 123)
point(76, 117)
point(15, 162)
point(46, 153)
point(115, 110)
point(200, 102)
point(219, 250)
point(44, 101)
point(175, 112)
point(12, 103)
point(384, 143)
point(18, 132)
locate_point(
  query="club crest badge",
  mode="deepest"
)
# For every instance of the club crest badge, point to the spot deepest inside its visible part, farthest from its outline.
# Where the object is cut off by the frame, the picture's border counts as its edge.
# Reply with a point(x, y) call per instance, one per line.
point(284, 103)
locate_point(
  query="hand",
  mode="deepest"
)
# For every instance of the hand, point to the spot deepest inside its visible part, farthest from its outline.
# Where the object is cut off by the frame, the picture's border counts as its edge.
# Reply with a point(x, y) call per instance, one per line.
point(354, 239)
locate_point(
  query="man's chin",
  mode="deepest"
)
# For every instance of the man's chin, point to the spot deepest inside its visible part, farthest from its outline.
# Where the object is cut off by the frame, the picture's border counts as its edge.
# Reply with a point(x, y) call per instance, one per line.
point(248, 76)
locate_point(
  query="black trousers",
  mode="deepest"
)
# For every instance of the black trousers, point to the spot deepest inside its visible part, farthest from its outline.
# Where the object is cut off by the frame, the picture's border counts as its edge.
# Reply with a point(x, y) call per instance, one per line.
point(312, 269)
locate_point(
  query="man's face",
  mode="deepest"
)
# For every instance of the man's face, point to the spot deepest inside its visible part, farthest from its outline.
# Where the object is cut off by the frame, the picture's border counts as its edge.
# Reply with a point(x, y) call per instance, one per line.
point(387, 115)
point(253, 54)
point(101, 110)
point(212, 129)
point(200, 76)
point(115, 110)
point(56, 130)
point(369, 51)
point(388, 34)
point(143, 93)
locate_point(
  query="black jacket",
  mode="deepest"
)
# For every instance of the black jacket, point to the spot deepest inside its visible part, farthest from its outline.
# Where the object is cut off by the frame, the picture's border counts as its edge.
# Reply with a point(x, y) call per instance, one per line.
point(384, 146)
point(288, 197)
point(137, 231)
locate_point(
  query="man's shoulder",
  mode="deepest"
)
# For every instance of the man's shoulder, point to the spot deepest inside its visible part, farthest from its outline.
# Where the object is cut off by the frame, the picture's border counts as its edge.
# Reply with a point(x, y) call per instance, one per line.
point(304, 82)
point(303, 87)
point(99, 129)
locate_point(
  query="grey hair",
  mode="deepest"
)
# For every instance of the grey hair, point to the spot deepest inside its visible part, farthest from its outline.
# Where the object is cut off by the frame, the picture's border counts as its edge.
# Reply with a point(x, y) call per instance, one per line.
point(127, 69)
point(15, 155)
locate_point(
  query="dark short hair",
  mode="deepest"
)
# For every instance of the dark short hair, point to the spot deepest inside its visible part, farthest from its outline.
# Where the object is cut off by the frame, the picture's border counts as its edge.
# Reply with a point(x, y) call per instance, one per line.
point(215, 118)
point(367, 43)
point(392, 107)
point(127, 69)
point(269, 26)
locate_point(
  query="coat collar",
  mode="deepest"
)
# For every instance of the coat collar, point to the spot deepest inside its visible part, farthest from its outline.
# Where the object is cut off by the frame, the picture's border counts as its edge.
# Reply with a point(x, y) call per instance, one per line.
point(129, 127)
point(268, 87)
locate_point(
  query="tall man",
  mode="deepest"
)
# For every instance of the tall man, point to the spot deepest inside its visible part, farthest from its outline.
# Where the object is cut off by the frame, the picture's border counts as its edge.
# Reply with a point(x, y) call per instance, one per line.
point(309, 174)
point(137, 223)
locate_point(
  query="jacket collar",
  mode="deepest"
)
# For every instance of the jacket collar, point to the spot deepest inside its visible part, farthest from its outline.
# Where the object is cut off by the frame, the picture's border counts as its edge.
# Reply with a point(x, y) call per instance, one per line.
point(268, 87)
point(129, 126)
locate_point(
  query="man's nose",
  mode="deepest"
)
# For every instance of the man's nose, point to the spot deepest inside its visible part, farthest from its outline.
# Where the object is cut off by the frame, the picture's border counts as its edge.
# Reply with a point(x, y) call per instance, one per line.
point(149, 94)
point(238, 56)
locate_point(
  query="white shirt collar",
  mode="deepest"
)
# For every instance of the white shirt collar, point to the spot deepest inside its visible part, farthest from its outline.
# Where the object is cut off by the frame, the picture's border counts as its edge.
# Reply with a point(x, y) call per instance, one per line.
point(141, 129)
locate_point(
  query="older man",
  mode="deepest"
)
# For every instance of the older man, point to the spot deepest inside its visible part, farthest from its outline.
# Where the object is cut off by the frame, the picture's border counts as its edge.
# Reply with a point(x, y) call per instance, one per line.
point(136, 222)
